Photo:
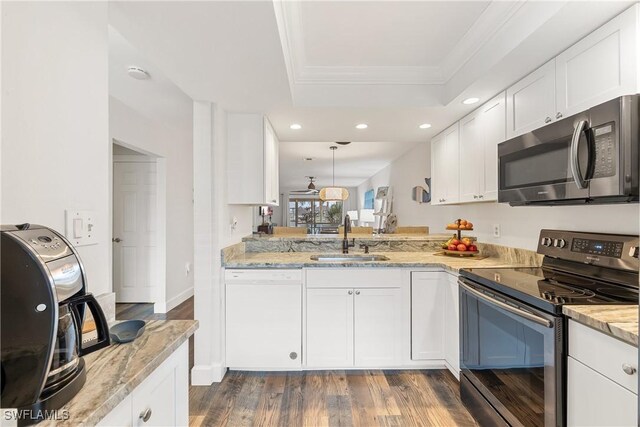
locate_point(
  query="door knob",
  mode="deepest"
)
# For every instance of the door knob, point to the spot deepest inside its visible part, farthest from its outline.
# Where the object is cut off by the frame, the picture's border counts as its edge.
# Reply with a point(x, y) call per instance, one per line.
point(628, 369)
point(116, 240)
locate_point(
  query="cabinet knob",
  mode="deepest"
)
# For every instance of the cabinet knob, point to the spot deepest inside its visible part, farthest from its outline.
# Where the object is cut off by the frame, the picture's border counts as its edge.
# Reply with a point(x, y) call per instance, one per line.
point(628, 369)
point(481, 196)
point(547, 120)
point(273, 200)
point(475, 197)
point(558, 115)
point(293, 355)
point(350, 292)
point(145, 415)
point(357, 292)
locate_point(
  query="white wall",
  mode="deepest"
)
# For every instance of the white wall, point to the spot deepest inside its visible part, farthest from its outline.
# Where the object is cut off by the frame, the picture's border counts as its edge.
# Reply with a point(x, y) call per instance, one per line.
point(55, 135)
point(176, 147)
point(520, 226)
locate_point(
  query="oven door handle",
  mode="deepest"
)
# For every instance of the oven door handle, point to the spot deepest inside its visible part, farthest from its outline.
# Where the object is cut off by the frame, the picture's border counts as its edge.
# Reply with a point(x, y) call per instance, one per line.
point(575, 162)
point(511, 309)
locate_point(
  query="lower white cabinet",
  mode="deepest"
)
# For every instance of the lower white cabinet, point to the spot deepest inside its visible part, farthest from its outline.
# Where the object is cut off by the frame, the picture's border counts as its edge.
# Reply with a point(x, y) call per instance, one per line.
point(602, 379)
point(162, 399)
point(264, 324)
point(434, 318)
point(353, 318)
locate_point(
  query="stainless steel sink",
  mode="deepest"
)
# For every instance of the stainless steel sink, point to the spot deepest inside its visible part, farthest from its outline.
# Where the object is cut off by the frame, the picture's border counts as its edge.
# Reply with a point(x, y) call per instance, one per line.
point(348, 257)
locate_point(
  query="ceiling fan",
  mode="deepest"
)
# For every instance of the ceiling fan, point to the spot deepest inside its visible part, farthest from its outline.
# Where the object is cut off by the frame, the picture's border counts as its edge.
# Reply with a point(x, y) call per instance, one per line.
point(311, 188)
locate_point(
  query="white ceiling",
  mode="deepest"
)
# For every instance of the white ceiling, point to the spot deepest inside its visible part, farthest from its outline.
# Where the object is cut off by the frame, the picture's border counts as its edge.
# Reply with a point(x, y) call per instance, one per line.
point(354, 162)
point(157, 98)
point(329, 65)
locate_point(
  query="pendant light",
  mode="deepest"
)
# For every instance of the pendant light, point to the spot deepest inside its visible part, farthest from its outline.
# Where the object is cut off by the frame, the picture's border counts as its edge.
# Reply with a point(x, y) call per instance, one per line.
point(334, 193)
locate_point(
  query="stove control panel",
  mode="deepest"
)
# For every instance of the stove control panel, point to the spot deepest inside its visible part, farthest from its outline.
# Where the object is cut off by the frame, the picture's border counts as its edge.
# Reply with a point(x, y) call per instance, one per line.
point(607, 250)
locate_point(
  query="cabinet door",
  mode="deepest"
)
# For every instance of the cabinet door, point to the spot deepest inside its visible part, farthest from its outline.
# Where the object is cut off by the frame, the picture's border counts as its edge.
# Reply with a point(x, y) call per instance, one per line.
point(378, 329)
point(471, 157)
point(531, 101)
point(119, 416)
point(451, 165)
point(438, 167)
point(271, 173)
point(428, 293)
point(264, 325)
point(595, 400)
point(451, 324)
point(329, 328)
point(600, 67)
point(493, 129)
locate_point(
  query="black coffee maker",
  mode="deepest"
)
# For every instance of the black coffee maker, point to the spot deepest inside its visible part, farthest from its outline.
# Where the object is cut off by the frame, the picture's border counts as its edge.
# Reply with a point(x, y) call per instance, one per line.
point(43, 298)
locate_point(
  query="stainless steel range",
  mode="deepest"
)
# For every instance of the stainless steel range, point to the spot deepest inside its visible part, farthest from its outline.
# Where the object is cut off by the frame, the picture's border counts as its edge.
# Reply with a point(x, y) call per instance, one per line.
point(512, 337)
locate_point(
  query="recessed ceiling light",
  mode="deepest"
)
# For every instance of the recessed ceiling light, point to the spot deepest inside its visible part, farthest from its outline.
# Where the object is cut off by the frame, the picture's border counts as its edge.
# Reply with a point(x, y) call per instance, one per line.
point(362, 126)
point(295, 126)
point(469, 101)
point(424, 126)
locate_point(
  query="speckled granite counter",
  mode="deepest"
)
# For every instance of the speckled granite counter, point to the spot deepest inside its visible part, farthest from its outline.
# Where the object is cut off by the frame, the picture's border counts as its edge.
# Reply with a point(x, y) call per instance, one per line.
point(620, 321)
point(113, 373)
point(396, 259)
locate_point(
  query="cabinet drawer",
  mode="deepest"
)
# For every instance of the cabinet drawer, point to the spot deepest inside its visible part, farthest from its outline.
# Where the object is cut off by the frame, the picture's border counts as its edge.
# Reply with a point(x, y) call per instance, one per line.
point(354, 278)
point(609, 358)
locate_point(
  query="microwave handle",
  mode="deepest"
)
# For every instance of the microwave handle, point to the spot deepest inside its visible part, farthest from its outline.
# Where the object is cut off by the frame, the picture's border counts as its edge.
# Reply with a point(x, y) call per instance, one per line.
point(575, 163)
point(507, 307)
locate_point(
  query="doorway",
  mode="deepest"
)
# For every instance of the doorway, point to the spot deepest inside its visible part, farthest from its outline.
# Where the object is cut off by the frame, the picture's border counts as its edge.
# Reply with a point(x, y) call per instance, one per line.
point(138, 227)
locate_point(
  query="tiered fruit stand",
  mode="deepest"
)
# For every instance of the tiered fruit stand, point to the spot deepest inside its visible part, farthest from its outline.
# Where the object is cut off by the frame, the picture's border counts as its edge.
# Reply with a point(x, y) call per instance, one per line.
point(460, 230)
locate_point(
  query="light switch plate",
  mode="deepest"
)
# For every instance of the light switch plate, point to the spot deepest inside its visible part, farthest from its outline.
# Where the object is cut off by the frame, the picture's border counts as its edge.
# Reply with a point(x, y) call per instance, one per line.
point(80, 227)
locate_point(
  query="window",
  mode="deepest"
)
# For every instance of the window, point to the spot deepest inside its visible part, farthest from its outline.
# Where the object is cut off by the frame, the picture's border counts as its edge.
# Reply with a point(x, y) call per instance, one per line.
point(368, 199)
point(315, 214)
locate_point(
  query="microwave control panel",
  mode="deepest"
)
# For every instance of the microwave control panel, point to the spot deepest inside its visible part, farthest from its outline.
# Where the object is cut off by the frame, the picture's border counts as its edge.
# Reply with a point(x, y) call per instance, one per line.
point(605, 150)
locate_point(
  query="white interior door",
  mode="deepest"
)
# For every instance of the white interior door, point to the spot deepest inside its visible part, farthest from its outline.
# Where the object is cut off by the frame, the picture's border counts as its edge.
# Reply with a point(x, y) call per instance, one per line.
point(135, 231)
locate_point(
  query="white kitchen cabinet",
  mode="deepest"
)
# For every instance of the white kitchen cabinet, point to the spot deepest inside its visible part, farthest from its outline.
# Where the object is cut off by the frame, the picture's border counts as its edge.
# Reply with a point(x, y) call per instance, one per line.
point(471, 152)
point(493, 127)
point(531, 102)
point(263, 319)
point(600, 67)
point(428, 306)
point(451, 324)
point(162, 399)
point(329, 330)
point(602, 385)
point(445, 167)
point(377, 327)
point(252, 160)
point(353, 317)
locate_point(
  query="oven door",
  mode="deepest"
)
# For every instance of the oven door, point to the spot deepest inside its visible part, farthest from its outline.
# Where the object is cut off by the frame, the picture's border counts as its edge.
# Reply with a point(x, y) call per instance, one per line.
point(511, 354)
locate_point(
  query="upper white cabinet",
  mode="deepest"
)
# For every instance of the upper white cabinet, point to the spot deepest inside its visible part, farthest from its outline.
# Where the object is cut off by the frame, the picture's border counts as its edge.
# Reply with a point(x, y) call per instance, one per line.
point(445, 167)
point(600, 67)
point(252, 160)
point(480, 134)
point(531, 103)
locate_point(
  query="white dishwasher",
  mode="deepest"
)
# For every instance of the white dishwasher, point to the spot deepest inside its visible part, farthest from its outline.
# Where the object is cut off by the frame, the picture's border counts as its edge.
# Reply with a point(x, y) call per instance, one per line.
point(263, 319)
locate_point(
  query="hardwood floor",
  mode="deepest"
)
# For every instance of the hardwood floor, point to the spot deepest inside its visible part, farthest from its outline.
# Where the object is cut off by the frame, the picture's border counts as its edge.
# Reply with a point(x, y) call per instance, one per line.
point(318, 398)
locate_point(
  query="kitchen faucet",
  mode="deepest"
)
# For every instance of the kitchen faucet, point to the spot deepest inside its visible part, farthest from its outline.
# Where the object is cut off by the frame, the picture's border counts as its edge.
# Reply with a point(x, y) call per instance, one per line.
point(345, 242)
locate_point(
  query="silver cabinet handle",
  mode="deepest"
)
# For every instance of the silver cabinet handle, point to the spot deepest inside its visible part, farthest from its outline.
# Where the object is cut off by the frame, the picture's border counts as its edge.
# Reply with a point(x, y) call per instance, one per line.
point(547, 120)
point(628, 369)
point(475, 196)
point(145, 415)
point(116, 240)
point(357, 292)
point(273, 201)
point(481, 196)
point(350, 292)
point(558, 115)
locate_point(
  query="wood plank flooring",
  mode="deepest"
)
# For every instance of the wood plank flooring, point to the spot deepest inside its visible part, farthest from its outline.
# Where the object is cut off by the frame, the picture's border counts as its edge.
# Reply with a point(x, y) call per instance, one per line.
point(318, 398)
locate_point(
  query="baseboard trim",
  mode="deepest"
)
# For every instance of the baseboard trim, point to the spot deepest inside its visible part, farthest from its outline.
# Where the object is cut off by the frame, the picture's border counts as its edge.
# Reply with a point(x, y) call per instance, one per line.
point(207, 375)
point(159, 307)
point(179, 299)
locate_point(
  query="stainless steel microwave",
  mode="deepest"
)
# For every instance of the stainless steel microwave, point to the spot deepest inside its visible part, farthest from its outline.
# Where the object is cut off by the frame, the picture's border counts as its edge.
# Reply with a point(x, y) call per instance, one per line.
point(590, 157)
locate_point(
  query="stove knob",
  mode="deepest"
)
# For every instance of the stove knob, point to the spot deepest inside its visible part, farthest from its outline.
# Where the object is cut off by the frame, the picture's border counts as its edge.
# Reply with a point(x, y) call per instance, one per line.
point(559, 243)
point(633, 252)
point(546, 241)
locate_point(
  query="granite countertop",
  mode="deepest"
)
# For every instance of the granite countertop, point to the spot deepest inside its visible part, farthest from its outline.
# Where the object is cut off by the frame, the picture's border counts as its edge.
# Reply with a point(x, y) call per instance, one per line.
point(396, 259)
point(619, 321)
point(113, 372)
point(325, 237)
